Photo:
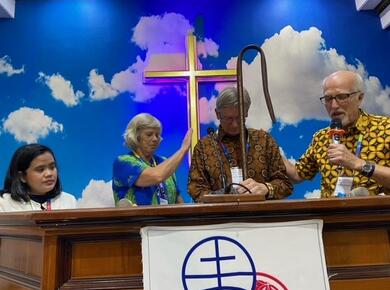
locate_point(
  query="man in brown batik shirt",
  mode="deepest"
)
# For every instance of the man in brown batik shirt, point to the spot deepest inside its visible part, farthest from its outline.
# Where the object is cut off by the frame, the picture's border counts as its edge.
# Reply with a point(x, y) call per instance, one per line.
point(217, 158)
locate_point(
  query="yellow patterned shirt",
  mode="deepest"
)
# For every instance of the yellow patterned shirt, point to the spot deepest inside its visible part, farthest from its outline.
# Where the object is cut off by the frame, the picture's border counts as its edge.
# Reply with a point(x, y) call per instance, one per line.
point(375, 131)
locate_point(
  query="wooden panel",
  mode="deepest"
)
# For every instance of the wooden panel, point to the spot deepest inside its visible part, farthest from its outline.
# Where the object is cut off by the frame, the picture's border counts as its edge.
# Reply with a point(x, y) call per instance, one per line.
point(22, 255)
point(7, 285)
point(361, 284)
point(100, 248)
point(106, 258)
point(13, 279)
point(357, 247)
point(225, 198)
point(52, 263)
point(122, 283)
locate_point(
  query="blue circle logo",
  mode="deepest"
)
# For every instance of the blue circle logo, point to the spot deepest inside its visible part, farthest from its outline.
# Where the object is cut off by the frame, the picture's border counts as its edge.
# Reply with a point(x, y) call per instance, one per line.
point(215, 263)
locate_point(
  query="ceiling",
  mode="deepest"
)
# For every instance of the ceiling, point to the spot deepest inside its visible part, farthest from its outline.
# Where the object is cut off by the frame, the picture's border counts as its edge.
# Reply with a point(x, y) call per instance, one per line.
point(7, 8)
point(381, 7)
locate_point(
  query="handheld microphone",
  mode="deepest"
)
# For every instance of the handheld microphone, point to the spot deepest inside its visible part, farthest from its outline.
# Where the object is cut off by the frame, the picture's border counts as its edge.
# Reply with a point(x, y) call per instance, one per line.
point(211, 132)
point(336, 131)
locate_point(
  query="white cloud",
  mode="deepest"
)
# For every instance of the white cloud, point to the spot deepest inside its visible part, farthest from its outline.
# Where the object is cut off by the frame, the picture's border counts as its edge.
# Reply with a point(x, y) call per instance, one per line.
point(316, 193)
point(28, 125)
point(162, 34)
point(207, 47)
point(7, 68)
point(297, 62)
point(167, 62)
point(97, 193)
point(99, 89)
point(291, 159)
point(207, 110)
point(164, 39)
point(377, 98)
point(61, 89)
point(127, 81)
point(131, 80)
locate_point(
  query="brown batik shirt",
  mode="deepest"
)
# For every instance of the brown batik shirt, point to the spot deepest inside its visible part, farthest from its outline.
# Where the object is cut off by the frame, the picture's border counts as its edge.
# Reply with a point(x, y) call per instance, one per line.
point(264, 163)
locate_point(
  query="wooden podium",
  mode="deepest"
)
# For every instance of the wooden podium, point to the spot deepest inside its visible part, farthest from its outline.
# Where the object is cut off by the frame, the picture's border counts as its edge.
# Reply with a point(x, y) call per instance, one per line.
point(101, 249)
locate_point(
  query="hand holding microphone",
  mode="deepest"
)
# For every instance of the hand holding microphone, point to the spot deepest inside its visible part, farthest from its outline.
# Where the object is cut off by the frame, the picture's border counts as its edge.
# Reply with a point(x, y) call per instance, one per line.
point(338, 154)
point(336, 131)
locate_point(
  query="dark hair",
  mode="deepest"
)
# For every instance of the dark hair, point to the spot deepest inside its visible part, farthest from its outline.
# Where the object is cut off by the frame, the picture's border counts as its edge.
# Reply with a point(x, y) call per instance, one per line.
point(20, 162)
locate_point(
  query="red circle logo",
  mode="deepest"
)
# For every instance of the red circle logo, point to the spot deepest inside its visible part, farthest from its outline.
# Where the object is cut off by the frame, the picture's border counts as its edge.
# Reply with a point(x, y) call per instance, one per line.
point(268, 282)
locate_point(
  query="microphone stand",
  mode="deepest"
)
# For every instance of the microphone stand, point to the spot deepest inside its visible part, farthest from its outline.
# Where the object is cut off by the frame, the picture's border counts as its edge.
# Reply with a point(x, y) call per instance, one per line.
point(240, 89)
point(211, 132)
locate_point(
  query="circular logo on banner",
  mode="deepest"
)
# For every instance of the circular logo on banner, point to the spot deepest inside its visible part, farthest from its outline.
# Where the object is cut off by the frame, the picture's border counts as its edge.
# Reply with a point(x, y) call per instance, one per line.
point(216, 263)
point(222, 263)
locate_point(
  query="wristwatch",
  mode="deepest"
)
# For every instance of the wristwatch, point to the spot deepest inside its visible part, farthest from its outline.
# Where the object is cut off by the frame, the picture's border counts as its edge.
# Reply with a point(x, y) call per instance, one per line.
point(270, 193)
point(368, 169)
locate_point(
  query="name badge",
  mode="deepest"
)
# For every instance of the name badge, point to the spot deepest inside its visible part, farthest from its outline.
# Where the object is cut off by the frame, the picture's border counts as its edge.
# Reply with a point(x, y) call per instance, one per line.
point(343, 187)
point(162, 194)
point(236, 175)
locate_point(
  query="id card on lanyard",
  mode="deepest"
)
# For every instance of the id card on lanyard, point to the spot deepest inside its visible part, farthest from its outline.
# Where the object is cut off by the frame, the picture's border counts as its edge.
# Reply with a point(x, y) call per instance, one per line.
point(235, 171)
point(161, 192)
point(236, 175)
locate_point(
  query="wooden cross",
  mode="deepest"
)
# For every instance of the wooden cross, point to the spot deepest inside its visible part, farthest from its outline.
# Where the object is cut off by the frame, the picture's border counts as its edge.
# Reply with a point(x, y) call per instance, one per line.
point(192, 76)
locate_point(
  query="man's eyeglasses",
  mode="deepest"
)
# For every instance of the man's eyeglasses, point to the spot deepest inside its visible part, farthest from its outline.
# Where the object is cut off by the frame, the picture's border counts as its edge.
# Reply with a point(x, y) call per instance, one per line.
point(340, 98)
point(230, 119)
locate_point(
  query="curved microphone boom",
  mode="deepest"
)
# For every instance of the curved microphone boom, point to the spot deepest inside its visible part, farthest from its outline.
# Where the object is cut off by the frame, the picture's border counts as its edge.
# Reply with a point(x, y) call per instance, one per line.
point(240, 89)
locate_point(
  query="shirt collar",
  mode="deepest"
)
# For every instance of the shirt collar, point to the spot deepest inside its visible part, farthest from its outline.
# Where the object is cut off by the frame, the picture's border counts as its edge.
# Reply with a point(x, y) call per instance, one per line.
point(222, 135)
point(360, 124)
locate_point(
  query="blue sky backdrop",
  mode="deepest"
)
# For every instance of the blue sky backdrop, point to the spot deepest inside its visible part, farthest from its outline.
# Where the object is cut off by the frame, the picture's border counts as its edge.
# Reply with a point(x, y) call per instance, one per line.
point(71, 74)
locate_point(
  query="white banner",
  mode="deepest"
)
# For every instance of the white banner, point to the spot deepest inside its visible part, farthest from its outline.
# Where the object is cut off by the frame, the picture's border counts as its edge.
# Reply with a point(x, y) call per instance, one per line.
point(247, 256)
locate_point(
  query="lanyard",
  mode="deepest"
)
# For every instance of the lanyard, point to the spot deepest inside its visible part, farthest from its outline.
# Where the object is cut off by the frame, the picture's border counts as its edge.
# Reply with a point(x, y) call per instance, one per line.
point(48, 204)
point(227, 153)
point(357, 154)
point(161, 192)
point(160, 188)
point(359, 146)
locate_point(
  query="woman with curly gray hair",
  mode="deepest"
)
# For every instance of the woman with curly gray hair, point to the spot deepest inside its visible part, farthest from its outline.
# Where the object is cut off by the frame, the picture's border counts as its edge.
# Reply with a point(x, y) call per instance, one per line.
point(141, 177)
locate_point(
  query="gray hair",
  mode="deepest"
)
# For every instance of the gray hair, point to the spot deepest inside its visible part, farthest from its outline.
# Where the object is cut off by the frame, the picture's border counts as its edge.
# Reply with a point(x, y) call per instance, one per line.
point(358, 80)
point(136, 125)
point(228, 97)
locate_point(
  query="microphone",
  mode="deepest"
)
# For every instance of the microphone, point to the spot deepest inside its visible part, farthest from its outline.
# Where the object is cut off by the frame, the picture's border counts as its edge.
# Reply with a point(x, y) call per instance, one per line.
point(224, 189)
point(124, 202)
point(336, 131)
point(360, 191)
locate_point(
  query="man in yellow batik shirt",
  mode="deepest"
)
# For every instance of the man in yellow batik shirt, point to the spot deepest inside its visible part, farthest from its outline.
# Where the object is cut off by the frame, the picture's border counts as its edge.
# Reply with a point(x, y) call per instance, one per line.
point(362, 159)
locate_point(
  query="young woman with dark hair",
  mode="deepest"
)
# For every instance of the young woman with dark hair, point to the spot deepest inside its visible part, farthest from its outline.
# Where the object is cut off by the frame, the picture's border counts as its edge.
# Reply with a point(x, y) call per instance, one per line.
point(32, 182)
